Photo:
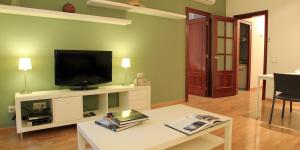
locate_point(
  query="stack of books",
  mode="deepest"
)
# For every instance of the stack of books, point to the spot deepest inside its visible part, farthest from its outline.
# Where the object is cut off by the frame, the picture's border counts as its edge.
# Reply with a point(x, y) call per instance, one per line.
point(118, 121)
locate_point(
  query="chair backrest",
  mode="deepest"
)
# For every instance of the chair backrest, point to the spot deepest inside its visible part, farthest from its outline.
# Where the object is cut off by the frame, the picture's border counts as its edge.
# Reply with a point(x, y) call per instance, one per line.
point(287, 83)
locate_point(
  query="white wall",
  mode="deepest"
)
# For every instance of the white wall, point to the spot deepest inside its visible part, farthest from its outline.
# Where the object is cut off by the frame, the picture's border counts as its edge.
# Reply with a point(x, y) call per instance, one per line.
point(284, 31)
point(257, 48)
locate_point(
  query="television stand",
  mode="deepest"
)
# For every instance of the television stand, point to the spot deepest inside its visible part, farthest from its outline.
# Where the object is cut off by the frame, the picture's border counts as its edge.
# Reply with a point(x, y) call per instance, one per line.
point(66, 106)
point(84, 88)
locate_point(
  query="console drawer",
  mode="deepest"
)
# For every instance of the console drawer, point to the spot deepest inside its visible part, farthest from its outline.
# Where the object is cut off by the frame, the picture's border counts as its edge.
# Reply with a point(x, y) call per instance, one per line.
point(138, 95)
point(138, 104)
point(67, 109)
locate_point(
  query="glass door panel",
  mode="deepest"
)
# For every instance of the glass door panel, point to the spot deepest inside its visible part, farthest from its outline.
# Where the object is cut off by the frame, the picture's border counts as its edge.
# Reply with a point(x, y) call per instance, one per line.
point(221, 28)
point(220, 62)
point(229, 29)
point(224, 46)
point(229, 63)
point(229, 46)
point(221, 46)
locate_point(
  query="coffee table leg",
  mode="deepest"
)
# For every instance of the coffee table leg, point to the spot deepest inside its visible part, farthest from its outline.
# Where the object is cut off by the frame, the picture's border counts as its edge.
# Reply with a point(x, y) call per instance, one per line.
point(257, 110)
point(81, 143)
point(228, 136)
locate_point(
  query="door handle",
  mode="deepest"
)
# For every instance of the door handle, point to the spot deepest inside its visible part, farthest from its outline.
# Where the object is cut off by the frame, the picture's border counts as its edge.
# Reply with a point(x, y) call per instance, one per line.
point(216, 57)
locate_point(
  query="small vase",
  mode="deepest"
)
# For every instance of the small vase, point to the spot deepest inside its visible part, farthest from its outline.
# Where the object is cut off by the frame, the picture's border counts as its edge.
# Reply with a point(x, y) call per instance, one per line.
point(15, 2)
point(135, 3)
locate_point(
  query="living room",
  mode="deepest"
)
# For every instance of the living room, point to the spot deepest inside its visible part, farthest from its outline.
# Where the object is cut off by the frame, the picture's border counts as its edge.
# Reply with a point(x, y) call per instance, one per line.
point(146, 48)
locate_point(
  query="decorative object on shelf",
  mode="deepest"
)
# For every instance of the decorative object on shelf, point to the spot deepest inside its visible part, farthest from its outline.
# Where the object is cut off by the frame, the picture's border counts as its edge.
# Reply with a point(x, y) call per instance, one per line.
point(135, 3)
point(15, 2)
point(25, 65)
point(68, 7)
point(125, 64)
point(140, 80)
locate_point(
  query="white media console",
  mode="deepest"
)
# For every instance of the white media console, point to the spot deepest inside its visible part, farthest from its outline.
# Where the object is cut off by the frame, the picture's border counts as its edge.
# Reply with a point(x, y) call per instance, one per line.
point(67, 106)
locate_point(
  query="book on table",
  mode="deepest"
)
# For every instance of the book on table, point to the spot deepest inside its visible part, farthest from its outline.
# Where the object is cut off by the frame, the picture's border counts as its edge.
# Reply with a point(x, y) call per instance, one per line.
point(118, 121)
point(127, 116)
point(107, 124)
point(194, 123)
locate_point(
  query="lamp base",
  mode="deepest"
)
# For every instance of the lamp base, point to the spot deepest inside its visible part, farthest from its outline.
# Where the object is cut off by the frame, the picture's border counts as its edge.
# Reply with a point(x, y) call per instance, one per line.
point(25, 92)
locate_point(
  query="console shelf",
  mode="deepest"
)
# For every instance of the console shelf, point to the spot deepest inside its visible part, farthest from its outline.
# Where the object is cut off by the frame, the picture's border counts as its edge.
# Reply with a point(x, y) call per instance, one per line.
point(60, 15)
point(135, 9)
point(67, 106)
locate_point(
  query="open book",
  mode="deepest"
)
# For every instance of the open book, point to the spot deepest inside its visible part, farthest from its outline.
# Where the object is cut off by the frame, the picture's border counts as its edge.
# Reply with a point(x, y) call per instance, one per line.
point(194, 123)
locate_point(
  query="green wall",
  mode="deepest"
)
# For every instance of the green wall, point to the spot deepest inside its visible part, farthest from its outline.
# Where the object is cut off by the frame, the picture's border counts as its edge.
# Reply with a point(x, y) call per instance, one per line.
point(155, 45)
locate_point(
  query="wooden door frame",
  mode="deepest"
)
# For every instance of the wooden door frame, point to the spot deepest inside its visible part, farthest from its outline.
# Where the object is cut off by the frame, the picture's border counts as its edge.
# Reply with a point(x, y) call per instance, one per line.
point(214, 53)
point(249, 51)
point(266, 14)
point(207, 15)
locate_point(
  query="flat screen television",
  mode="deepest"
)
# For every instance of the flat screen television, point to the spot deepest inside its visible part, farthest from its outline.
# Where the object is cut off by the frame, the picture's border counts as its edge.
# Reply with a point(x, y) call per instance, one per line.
point(82, 68)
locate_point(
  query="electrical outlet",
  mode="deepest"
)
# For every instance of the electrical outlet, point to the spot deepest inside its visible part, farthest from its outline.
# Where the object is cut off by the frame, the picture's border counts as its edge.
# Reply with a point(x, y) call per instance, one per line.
point(11, 109)
point(39, 106)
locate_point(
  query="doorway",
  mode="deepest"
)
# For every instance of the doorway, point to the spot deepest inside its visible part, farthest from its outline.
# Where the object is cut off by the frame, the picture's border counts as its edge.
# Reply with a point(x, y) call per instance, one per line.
point(257, 64)
point(244, 48)
point(210, 66)
point(197, 52)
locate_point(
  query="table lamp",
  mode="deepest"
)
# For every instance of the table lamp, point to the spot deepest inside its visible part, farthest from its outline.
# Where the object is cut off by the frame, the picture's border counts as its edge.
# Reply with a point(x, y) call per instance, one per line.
point(25, 65)
point(126, 64)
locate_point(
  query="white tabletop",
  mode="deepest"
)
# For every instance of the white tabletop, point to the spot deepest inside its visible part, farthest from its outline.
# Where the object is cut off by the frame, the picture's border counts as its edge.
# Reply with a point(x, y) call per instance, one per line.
point(152, 134)
point(266, 76)
point(271, 76)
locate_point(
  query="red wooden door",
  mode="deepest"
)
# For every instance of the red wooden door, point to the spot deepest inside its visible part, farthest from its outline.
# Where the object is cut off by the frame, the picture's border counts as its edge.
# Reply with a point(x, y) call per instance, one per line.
point(197, 51)
point(224, 54)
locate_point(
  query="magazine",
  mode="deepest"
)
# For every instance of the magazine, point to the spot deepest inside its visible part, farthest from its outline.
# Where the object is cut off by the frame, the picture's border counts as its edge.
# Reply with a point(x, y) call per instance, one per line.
point(194, 123)
point(209, 119)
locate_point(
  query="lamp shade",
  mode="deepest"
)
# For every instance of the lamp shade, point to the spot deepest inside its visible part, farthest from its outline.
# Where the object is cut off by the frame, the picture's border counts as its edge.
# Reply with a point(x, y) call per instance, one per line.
point(126, 63)
point(25, 64)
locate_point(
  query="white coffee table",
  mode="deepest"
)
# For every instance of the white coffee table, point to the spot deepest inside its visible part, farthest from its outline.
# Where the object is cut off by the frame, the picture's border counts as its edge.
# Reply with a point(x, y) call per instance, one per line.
point(153, 134)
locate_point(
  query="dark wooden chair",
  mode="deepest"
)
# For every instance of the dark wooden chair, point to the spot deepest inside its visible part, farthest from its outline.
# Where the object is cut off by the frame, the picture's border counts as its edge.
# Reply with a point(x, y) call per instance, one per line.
point(286, 88)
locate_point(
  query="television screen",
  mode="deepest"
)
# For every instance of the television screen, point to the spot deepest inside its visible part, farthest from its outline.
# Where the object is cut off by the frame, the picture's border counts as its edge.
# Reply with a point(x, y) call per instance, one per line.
point(82, 68)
